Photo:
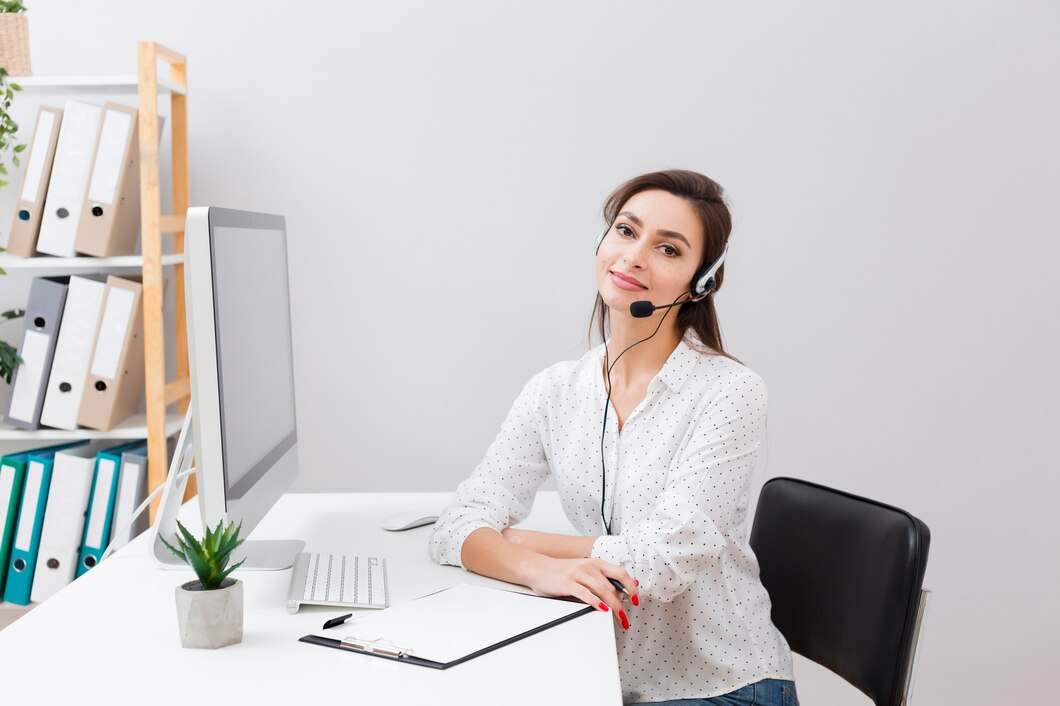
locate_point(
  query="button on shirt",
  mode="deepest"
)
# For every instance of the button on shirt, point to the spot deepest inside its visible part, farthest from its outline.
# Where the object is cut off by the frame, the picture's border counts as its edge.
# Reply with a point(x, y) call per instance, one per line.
point(678, 477)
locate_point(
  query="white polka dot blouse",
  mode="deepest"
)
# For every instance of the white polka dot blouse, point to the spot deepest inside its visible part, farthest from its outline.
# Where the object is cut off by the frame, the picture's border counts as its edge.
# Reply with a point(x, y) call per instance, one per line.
point(678, 479)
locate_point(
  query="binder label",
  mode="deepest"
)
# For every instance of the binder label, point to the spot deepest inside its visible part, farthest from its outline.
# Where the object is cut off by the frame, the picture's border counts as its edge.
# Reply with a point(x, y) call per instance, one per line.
point(100, 501)
point(28, 514)
point(110, 157)
point(24, 395)
point(111, 340)
point(38, 156)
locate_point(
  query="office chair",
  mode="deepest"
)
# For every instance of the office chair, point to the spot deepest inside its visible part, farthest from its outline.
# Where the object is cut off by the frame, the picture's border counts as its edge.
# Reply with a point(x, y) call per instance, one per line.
point(845, 576)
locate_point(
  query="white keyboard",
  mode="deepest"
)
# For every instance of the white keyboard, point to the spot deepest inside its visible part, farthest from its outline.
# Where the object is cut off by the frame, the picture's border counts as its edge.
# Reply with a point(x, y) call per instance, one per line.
point(342, 580)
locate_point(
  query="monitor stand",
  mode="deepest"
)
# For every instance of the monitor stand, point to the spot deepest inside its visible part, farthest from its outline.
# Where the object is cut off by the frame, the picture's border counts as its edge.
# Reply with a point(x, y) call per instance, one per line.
point(261, 554)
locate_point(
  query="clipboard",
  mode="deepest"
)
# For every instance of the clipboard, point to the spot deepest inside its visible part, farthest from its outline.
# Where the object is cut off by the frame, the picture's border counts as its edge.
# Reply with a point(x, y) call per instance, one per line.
point(452, 626)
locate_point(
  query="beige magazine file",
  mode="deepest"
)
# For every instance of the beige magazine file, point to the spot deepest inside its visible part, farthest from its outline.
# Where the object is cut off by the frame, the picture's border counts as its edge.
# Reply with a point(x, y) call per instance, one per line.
point(115, 382)
point(26, 225)
point(110, 216)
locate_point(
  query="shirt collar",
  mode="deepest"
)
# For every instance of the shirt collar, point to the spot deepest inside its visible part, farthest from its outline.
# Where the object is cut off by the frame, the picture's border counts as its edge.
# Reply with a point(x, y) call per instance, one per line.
point(675, 372)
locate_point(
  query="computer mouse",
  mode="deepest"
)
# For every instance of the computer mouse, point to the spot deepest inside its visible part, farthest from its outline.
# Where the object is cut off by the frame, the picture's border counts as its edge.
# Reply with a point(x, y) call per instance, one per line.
point(407, 520)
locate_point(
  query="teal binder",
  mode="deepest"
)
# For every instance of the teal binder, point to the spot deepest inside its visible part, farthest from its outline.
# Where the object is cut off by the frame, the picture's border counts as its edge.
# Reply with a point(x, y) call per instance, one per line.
point(100, 514)
point(12, 478)
point(22, 562)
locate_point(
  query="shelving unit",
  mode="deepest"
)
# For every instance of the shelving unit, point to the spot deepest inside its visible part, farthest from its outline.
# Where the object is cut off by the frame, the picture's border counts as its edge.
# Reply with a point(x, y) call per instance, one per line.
point(155, 425)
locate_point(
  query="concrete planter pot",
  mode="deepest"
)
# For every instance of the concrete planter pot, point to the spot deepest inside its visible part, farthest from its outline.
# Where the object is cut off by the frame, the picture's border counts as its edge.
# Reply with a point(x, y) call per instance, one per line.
point(210, 619)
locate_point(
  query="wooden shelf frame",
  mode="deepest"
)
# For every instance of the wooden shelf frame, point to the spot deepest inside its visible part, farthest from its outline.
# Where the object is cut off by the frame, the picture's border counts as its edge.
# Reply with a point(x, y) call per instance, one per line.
point(153, 223)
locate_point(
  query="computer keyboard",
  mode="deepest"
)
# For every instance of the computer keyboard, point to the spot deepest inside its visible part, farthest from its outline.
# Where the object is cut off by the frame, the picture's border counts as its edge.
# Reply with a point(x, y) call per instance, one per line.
point(343, 580)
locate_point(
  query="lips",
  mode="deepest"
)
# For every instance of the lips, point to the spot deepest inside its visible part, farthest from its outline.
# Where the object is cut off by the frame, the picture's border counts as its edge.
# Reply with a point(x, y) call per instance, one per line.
point(627, 283)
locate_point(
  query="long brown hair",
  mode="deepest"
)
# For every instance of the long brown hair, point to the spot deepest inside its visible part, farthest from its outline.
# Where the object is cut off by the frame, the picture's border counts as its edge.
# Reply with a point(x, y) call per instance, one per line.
point(707, 199)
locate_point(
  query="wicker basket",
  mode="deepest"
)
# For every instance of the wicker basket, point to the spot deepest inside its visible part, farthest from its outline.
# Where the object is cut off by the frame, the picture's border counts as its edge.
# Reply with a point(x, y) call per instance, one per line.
point(14, 44)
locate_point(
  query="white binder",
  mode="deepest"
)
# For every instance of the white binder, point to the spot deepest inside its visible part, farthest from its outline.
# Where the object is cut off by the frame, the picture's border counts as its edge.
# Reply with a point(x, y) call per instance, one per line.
point(132, 490)
point(64, 520)
point(69, 178)
point(77, 333)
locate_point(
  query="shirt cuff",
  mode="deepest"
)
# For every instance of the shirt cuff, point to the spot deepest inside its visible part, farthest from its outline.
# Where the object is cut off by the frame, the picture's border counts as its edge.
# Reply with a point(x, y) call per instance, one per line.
point(458, 539)
point(613, 549)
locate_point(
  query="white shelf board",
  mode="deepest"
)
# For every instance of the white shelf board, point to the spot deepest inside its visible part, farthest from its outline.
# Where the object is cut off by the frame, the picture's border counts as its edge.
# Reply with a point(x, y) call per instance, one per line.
point(135, 427)
point(124, 84)
point(11, 263)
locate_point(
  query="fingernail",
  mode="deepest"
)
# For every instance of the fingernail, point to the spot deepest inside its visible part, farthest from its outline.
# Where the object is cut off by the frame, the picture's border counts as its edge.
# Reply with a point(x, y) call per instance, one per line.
point(636, 582)
point(625, 621)
point(634, 599)
point(603, 607)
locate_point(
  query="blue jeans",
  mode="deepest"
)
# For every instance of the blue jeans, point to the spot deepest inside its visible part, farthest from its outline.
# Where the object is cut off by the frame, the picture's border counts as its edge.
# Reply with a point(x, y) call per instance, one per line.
point(768, 692)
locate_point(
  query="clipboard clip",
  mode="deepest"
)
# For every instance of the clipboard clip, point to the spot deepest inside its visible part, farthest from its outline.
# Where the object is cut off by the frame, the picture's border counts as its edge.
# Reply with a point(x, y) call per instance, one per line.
point(380, 647)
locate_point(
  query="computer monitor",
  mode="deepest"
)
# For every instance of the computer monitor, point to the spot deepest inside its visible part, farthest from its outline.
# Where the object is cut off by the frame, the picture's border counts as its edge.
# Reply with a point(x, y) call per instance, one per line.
point(242, 374)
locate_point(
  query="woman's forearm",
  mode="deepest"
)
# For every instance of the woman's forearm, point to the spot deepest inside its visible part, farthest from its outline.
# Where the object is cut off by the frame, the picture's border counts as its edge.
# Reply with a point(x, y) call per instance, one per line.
point(487, 553)
point(557, 546)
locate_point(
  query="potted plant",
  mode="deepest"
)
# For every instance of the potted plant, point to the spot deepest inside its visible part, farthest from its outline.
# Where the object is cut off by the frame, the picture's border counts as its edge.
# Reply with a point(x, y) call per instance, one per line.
point(14, 38)
point(209, 610)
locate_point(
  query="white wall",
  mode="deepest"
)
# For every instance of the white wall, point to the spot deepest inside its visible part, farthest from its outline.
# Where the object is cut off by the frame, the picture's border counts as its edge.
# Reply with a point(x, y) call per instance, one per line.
point(893, 171)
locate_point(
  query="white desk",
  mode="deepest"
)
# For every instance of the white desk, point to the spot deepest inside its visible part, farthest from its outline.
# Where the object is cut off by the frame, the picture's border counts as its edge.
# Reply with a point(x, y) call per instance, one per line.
point(111, 636)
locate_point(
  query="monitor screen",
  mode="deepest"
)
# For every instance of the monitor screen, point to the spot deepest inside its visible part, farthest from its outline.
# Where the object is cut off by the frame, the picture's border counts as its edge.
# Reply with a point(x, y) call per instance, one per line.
point(254, 360)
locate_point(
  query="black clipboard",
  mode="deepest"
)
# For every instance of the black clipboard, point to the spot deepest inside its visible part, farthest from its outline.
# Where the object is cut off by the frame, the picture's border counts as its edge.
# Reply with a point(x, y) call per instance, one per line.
point(386, 650)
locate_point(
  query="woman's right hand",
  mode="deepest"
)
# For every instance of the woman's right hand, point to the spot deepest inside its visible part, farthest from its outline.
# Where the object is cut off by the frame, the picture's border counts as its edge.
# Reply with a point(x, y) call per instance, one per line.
point(587, 580)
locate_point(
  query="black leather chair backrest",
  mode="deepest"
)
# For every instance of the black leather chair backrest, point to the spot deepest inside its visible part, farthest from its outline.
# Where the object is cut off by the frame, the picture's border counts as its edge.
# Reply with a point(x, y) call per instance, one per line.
point(844, 574)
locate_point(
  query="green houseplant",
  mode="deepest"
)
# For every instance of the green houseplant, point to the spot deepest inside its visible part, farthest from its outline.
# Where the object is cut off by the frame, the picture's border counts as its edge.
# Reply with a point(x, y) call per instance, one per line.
point(9, 146)
point(210, 609)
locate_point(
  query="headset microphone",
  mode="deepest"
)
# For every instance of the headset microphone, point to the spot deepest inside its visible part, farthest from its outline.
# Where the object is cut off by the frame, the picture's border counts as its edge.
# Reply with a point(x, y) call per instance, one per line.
point(643, 309)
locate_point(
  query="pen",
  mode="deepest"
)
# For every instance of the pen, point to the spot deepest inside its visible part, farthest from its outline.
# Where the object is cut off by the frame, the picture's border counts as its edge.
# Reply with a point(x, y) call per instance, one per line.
point(622, 589)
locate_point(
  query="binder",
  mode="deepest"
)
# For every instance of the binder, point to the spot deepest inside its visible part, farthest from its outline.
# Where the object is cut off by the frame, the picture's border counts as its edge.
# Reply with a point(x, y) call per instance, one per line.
point(132, 490)
point(47, 295)
point(69, 178)
point(23, 559)
point(64, 520)
point(69, 370)
point(450, 627)
point(110, 213)
point(115, 381)
point(26, 225)
point(100, 513)
point(12, 479)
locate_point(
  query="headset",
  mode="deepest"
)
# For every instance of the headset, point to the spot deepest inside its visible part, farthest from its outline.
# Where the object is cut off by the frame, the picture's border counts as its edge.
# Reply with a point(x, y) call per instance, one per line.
point(703, 283)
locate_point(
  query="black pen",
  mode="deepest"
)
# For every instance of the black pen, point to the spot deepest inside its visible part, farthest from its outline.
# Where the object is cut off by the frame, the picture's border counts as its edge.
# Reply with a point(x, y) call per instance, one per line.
point(622, 589)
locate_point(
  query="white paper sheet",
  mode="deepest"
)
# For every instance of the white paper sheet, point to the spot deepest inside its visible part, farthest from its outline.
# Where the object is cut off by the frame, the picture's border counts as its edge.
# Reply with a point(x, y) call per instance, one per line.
point(458, 621)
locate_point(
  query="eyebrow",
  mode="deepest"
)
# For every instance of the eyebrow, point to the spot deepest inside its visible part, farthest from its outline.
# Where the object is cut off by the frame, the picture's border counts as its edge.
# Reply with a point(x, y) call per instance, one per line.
point(664, 233)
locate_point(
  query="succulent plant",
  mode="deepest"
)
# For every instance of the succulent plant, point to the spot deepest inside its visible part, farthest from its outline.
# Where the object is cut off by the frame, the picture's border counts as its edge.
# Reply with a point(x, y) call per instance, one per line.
point(209, 557)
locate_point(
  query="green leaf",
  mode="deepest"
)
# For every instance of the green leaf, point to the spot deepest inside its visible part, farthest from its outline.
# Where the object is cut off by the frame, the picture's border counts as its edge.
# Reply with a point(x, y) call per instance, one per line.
point(171, 548)
point(15, 160)
point(19, 148)
point(225, 574)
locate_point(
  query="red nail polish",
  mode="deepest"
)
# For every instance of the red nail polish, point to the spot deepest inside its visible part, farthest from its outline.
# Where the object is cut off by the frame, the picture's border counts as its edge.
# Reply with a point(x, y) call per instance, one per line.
point(634, 599)
point(603, 607)
point(636, 582)
point(625, 621)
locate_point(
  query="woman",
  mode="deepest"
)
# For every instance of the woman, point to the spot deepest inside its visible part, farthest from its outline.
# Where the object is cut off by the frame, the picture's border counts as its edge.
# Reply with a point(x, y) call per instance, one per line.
point(652, 438)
